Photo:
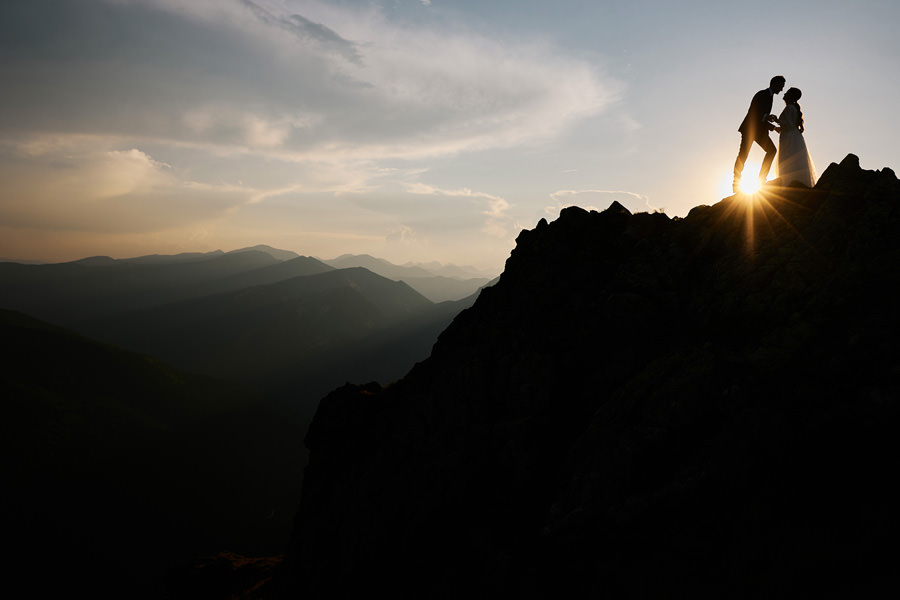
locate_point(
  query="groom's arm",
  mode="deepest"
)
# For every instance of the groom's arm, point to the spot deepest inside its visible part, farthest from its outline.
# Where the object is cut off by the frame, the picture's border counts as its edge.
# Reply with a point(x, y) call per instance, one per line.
point(759, 106)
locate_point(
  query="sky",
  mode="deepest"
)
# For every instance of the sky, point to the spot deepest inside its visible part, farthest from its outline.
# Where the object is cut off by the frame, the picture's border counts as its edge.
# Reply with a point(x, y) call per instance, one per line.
point(412, 130)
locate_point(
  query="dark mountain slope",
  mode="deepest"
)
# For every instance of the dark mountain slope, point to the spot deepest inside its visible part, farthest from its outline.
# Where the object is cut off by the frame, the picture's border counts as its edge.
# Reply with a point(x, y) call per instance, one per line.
point(383, 355)
point(288, 269)
point(440, 289)
point(256, 332)
point(117, 467)
point(641, 407)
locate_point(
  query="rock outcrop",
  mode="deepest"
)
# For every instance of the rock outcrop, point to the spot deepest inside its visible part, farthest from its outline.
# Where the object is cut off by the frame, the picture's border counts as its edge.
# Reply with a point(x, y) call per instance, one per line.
point(641, 407)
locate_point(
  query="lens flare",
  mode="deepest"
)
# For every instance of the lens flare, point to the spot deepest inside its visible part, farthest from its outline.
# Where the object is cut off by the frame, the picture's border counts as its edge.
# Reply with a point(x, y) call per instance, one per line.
point(750, 186)
point(749, 183)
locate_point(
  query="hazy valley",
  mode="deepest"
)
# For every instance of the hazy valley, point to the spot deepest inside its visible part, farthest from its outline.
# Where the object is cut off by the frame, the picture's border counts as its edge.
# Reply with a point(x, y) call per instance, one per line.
point(179, 388)
point(291, 326)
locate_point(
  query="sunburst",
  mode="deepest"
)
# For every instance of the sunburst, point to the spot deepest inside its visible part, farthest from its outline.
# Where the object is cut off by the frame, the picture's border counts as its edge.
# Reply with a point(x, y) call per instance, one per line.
point(759, 213)
point(749, 184)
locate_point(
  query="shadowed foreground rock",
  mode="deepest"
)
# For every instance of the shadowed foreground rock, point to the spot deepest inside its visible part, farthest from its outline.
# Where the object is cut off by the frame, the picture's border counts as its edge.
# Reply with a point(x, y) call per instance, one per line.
point(641, 407)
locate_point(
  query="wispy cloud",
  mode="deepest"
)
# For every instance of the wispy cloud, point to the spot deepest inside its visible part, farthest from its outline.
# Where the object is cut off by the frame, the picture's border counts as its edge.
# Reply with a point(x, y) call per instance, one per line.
point(86, 187)
point(259, 77)
point(306, 30)
point(497, 223)
point(404, 235)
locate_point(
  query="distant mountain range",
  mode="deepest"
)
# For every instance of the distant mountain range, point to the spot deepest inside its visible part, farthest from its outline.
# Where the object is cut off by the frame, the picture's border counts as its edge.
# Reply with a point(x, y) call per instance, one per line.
point(270, 335)
point(167, 278)
point(392, 271)
point(435, 281)
point(290, 325)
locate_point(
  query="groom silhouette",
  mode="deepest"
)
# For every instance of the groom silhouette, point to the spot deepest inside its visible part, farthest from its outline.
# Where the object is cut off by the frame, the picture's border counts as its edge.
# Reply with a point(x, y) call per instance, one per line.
point(755, 128)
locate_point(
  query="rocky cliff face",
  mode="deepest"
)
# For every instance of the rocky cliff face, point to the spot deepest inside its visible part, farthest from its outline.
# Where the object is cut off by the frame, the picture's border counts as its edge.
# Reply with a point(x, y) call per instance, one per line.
point(643, 407)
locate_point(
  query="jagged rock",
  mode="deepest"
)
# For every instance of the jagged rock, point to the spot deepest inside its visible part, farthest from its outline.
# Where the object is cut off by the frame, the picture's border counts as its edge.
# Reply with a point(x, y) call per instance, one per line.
point(641, 407)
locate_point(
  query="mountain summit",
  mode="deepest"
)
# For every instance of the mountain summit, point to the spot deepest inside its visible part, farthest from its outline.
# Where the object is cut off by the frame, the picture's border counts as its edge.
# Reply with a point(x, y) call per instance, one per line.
point(641, 407)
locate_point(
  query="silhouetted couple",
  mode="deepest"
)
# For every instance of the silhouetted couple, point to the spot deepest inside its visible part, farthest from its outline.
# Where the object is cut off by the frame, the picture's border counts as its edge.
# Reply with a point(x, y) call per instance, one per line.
point(794, 163)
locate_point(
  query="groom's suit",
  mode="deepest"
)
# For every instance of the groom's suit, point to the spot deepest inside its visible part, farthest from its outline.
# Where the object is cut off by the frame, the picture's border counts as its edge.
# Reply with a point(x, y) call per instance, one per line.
point(755, 123)
point(755, 128)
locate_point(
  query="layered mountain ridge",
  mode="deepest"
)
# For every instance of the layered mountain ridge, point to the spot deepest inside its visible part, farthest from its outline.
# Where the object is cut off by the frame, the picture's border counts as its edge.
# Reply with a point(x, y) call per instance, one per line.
point(289, 325)
point(640, 407)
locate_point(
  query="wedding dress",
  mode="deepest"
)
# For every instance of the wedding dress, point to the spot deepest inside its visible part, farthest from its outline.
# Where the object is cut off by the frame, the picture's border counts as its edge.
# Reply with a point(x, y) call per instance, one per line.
point(794, 163)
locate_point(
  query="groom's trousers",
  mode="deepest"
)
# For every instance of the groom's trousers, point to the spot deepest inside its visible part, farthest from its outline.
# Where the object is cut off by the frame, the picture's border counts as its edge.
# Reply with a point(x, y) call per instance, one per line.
point(763, 139)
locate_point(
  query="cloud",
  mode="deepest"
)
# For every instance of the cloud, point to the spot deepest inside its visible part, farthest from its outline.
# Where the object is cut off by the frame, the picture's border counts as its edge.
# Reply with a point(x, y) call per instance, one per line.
point(496, 224)
point(403, 235)
point(75, 184)
point(230, 125)
point(599, 200)
point(307, 31)
point(272, 80)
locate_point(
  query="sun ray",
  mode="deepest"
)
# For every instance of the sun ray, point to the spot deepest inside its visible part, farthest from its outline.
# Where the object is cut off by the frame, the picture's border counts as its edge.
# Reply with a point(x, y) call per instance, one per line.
point(757, 210)
point(776, 194)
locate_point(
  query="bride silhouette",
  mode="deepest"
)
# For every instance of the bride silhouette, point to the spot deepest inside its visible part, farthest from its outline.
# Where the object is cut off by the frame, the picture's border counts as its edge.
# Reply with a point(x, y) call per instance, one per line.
point(794, 163)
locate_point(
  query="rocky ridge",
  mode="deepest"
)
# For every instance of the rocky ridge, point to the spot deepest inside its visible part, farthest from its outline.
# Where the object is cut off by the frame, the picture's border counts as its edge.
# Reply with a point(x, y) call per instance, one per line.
point(640, 407)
